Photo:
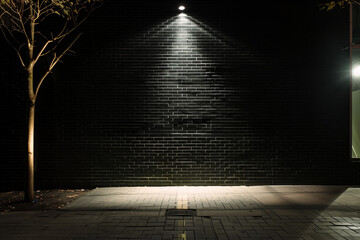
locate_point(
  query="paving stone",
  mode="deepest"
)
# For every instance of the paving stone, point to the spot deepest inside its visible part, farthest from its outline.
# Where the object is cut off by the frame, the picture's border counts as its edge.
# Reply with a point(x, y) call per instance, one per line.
point(226, 213)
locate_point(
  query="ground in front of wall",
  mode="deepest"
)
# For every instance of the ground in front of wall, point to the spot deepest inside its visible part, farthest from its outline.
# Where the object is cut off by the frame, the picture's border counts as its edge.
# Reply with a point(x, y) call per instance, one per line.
point(44, 200)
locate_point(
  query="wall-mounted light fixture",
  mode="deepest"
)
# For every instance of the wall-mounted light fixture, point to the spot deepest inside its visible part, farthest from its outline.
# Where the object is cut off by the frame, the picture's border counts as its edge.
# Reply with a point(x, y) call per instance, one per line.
point(182, 8)
point(356, 71)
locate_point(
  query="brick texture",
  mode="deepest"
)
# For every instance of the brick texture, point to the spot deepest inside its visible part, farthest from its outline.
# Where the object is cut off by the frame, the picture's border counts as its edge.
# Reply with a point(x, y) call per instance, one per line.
point(221, 96)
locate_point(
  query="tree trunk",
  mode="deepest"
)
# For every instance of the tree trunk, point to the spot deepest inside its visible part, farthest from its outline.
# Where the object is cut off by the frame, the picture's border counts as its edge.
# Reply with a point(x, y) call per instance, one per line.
point(29, 191)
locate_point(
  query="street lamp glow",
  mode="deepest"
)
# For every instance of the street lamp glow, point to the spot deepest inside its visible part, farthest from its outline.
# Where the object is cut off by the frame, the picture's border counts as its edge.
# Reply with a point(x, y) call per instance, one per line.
point(356, 71)
point(181, 8)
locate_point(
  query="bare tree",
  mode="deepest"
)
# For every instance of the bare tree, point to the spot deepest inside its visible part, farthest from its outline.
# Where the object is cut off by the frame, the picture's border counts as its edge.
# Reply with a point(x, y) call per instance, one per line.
point(46, 30)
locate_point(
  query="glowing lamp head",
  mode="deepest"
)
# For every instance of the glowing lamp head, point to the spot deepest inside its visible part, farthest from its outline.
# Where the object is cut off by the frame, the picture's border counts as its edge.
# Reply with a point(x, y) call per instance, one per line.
point(182, 8)
point(356, 71)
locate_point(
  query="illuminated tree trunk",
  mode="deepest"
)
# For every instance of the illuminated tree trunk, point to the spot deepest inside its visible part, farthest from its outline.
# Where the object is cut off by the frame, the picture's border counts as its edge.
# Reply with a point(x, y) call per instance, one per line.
point(29, 191)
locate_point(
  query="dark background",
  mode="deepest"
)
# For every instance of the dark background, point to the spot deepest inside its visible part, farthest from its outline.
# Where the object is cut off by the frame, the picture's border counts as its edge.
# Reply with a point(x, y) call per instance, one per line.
point(250, 93)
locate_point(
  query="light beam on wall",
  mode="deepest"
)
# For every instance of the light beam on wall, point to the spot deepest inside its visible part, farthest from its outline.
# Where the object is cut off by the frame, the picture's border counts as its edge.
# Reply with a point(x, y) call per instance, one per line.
point(185, 83)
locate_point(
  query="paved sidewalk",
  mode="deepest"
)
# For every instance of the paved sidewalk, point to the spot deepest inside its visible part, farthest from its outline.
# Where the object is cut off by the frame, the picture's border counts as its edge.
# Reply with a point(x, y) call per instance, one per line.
point(259, 212)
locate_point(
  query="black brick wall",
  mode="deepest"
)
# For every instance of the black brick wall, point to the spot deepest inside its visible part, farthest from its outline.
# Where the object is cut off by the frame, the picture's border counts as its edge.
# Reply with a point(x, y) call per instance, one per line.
point(224, 96)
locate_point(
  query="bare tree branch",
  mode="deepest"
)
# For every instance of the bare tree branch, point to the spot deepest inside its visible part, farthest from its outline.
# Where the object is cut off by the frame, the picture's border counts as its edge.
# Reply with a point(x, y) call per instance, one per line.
point(54, 62)
point(20, 57)
point(23, 26)
point(42, 50)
